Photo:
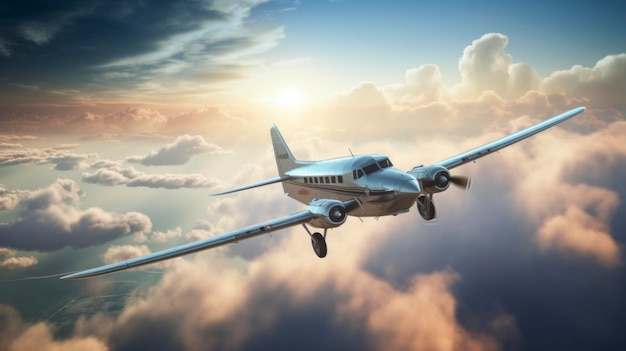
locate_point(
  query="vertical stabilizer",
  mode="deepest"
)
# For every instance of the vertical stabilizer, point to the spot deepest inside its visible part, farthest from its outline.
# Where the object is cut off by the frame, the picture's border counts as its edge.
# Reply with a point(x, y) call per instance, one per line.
point(284, 158)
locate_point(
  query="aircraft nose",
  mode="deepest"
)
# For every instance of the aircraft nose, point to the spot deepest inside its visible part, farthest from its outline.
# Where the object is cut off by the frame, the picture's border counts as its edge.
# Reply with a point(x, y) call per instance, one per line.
point(409, 187)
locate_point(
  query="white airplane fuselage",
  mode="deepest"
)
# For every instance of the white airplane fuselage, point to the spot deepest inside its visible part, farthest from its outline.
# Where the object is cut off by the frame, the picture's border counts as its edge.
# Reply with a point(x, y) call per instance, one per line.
point(380, 188)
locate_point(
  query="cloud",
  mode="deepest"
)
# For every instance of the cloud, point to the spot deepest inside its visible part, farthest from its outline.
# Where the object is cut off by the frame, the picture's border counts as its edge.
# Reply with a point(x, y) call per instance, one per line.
point(6, 252)
point(202, 230)
point(119, 253)
point(12, 262)
point(576, 231)
point(158, 237)
point(59, 157)
point(485, 65)
point(51, 218)
point(18, 335)
point(179, 152)
point(19, 262)
point(422, 86)
point(8, 199)
point(267, 298)
point(190, 47)
point(113, 174)
point(10, 138)
point(600, 86)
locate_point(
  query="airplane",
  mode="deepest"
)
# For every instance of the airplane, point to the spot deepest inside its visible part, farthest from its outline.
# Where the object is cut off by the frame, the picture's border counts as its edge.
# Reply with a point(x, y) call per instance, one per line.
point(361, 186)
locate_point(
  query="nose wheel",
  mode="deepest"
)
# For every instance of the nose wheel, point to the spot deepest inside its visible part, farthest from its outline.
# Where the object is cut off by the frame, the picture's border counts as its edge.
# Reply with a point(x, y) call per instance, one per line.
point(318, 241)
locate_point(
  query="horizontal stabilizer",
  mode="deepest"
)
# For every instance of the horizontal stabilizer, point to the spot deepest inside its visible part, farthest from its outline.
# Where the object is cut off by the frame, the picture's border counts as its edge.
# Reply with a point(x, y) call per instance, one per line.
point(254, 185)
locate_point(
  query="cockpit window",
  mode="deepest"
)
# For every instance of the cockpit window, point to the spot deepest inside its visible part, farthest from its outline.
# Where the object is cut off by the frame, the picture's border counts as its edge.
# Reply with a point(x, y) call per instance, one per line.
point(357, 173)
point(371, 168)
point(385, 163)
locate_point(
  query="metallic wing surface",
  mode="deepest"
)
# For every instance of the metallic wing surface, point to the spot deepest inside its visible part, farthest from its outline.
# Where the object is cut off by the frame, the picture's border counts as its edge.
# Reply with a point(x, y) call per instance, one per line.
point(508, 140)
point(254, 185)
point(317, 212)
point(227, 238)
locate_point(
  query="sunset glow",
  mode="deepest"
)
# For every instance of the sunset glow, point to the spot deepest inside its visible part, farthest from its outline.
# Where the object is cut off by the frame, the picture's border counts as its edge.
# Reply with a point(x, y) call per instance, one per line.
point(118, 120)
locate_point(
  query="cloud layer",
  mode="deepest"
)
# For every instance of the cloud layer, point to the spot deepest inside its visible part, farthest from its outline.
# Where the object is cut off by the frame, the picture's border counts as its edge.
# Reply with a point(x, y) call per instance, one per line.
point(531, 257)
point(111, 173)
point(62, 159)
point(51, 219)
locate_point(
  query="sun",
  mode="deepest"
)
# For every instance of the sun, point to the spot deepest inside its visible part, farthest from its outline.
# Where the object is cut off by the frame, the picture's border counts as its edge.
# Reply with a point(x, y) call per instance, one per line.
point(289, 98)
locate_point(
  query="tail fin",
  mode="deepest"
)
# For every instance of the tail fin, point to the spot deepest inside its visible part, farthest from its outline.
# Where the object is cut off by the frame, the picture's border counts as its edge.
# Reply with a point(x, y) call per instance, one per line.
point(284, 158)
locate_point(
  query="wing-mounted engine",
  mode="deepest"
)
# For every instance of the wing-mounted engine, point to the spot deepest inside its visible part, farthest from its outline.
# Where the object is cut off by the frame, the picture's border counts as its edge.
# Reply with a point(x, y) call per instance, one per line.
point(328, 213)
point(435, 179)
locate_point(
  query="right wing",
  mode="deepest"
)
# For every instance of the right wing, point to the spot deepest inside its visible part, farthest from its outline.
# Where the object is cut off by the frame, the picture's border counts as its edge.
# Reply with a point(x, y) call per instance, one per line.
point(494, 146)
point(227, 238)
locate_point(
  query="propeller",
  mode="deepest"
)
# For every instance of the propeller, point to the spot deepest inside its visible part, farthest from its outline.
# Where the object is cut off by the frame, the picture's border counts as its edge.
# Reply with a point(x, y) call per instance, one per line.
point(461, 182)
point(443, 178)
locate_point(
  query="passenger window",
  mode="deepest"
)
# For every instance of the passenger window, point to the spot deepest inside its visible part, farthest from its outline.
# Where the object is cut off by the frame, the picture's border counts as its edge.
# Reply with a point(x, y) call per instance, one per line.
point(340, 179)
point(327, 180)
point(315, 180)
point(306, 180)
point(333, 179)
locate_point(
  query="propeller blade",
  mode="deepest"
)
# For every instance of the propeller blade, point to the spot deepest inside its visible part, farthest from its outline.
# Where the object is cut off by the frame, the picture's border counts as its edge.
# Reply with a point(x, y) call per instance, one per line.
point(461, 182)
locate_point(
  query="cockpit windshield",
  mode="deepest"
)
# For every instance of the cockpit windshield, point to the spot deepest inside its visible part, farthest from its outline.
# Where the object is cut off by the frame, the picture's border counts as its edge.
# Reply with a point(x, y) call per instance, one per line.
point(385, 163)
point(371, 168)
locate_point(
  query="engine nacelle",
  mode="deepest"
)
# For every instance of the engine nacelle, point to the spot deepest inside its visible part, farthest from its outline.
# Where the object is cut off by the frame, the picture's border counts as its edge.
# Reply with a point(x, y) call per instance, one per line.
point(433, 179)
point(329, 213)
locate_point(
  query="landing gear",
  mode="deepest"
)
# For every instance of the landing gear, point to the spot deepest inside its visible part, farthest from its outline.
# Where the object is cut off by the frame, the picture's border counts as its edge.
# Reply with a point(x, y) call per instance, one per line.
point(425, 207)
point(318, 241)
point(319, 245)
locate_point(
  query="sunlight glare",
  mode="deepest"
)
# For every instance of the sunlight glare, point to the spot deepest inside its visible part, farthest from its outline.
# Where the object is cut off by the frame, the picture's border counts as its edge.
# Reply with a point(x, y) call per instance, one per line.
point(289, 98)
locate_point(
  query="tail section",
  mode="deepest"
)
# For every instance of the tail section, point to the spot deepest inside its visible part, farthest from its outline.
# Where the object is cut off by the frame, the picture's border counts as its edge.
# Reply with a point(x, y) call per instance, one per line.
point(284, 158)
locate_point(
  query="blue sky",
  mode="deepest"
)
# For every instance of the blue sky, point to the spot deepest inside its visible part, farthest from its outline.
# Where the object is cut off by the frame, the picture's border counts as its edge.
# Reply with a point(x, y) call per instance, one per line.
point(118, 119)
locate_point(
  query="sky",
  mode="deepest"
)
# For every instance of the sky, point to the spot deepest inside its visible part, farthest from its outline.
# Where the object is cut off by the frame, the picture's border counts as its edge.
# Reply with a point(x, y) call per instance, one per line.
point(119, 119)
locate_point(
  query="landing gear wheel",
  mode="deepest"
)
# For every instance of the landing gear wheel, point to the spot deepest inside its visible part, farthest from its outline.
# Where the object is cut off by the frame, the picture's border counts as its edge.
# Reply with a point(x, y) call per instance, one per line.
point(319, 245)
point(426, 208)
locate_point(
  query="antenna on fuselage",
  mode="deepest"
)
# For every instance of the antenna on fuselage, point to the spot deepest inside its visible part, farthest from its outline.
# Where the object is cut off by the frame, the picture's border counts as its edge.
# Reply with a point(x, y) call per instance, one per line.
point(350, 151)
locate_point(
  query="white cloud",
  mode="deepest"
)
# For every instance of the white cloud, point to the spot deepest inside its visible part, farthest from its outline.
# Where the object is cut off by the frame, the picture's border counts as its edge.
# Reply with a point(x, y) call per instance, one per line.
point(485, 65)
point(112, 174)
point(179, 152)
point(59, 157)
point(158, 237)
point(118, 253)
point(600, 86)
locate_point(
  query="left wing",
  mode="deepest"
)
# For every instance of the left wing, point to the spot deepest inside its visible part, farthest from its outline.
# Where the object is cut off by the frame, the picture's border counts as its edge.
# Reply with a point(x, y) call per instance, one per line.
point(227, 238)
point(254, 185)
point(494, 146)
